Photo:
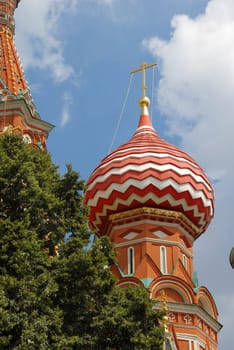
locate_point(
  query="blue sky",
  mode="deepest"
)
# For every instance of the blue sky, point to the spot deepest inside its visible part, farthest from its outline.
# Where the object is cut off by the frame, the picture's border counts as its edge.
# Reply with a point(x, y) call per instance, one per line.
point(77, 56)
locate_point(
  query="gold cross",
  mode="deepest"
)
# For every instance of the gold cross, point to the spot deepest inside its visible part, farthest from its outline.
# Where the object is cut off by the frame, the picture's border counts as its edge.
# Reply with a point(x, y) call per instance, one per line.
point(142, 68)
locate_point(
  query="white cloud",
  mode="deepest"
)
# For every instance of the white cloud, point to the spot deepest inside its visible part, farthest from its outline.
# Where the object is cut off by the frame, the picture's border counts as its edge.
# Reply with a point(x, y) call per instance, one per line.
point(105, 2)
point(197, 83)
point(37, 35)
point(39, 30)
point(196, 95)
point(67, 102)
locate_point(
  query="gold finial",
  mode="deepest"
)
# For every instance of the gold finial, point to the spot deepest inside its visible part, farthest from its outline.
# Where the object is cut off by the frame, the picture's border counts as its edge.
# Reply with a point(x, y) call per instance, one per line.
point(144, 101)
point(164, 308)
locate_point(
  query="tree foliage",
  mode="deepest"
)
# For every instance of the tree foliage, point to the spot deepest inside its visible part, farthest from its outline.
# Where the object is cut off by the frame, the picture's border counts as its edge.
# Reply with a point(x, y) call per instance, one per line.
point(54, 292)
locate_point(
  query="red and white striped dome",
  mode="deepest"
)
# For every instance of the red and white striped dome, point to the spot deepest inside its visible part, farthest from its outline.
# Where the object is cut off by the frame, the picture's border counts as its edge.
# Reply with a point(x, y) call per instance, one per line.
point(148, 171)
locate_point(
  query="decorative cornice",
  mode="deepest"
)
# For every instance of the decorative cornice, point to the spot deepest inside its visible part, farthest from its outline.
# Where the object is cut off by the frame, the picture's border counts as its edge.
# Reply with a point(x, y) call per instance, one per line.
point(154, 240)
point(155, 211)
point(20, 107)
point(197, 310)
point(159, 216)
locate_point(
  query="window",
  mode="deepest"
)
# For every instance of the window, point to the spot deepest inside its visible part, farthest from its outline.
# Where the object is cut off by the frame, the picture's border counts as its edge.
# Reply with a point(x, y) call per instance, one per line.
point(131, 262)
point(163, 260)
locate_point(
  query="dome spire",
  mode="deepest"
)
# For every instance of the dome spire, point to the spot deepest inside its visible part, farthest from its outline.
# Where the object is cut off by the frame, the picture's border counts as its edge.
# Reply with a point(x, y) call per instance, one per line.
point(18, 113)
point(144, 101)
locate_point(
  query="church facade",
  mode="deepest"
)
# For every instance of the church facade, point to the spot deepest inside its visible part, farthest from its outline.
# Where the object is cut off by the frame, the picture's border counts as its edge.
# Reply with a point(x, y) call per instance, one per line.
point(153, 201)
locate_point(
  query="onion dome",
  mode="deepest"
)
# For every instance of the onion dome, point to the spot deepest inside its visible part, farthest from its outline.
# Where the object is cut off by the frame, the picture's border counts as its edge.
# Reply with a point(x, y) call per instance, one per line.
point(147, 171)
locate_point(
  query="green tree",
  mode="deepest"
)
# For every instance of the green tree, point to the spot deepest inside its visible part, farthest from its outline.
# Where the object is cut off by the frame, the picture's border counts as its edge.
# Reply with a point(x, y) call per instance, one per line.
point(38, 207)
point(28, 317)
point(54, 292)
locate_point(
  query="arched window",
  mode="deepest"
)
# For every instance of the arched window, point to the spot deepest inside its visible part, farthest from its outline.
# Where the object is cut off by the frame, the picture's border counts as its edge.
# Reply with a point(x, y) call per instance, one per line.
point(163, 260)
point(131, 262)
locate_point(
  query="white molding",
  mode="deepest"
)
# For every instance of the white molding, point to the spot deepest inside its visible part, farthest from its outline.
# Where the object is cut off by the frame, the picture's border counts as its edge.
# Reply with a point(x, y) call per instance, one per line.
point(155, 240)
point(172, 285)
point(195, 309)
point(191, 338)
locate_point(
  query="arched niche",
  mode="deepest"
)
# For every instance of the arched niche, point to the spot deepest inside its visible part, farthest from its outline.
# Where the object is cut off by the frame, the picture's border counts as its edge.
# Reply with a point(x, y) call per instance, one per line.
point(205, 304)
point(172, 294)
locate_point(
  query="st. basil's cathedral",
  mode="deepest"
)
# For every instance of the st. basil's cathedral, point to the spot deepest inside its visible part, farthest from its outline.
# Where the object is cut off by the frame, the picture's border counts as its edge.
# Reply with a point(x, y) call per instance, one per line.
point(153, 201)
point(149, 197)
